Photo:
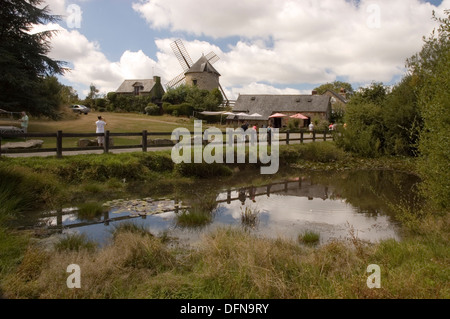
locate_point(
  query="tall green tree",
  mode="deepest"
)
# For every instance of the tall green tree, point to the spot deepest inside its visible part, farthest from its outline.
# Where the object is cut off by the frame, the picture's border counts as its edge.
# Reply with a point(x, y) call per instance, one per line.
point(430, 69)
point(402, 118)
point(24, 63)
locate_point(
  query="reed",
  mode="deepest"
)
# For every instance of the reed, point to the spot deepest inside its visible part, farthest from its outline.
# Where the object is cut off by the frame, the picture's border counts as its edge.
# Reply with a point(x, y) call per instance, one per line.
point(75, 242)
point(309, 237)
point(193, 218)
point(249, 217)
point(90, 210)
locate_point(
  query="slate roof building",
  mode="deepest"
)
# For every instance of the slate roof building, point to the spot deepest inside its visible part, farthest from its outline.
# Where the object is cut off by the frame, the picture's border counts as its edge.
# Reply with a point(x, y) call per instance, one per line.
point(312, 106)
point(142, 87)
point(337, 98)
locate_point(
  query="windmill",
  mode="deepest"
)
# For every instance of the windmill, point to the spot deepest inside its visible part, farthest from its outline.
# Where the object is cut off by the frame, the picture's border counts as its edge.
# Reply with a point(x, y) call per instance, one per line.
point(200, 73)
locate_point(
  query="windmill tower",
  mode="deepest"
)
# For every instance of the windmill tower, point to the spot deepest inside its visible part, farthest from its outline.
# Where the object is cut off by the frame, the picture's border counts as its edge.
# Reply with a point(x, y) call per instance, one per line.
point(200, 73)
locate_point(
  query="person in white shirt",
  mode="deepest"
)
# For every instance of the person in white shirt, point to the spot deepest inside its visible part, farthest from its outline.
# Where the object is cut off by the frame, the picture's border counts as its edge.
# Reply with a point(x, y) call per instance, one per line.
point(100, 129)
point(311, 128)
point(24, 122)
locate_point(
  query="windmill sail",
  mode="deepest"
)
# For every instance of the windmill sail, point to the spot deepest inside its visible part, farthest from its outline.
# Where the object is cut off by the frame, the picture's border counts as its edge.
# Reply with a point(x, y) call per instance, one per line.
point(212, 57)
point(176, 81)
point(182, 55)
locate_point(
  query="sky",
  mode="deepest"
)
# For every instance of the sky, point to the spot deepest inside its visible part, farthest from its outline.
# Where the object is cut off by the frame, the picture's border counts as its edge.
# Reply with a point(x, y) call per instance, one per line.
point(264, 46)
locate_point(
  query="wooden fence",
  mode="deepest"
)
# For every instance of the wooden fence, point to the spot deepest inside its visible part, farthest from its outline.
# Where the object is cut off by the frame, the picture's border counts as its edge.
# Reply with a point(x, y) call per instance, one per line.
point(289, 137)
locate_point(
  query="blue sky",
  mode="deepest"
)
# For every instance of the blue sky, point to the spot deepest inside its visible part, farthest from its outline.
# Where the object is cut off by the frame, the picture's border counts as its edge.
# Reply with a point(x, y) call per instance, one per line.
point(265, 46)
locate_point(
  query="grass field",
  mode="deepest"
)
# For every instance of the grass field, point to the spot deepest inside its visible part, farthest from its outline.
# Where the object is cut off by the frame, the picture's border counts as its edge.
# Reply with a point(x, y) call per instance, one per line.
point(116, 123)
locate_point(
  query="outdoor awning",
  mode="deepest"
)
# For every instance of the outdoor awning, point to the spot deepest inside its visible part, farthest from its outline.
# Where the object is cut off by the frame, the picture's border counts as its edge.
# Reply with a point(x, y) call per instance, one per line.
point(277, 115)
point(212, 113)
point(255, 115)
point(299, 116)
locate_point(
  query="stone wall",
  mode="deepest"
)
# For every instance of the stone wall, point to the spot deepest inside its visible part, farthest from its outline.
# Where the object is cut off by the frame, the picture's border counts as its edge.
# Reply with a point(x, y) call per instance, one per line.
point(205, 80)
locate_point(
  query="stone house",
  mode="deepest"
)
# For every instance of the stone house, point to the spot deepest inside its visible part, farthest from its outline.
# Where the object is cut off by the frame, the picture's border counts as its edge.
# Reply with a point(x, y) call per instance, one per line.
point(312, 106)
point(143, 87)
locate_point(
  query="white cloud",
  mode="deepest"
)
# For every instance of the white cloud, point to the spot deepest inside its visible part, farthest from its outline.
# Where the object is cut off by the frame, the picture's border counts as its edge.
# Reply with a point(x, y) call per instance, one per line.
point(281, 42)
point(309, 41)
point(88, 64)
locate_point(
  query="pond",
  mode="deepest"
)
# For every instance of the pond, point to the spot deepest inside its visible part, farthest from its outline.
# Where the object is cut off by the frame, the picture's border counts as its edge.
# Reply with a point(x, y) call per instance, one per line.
point(336, 205)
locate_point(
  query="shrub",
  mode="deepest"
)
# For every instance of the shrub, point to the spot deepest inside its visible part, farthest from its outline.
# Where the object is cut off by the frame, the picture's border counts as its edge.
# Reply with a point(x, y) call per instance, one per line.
point(156, 162)
point(202, 170)
point(323, 152)
point(152, 109)
point(364, 134)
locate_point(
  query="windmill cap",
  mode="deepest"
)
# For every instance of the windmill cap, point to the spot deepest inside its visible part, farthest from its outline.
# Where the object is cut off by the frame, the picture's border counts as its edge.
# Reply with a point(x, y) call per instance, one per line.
point(202, 65)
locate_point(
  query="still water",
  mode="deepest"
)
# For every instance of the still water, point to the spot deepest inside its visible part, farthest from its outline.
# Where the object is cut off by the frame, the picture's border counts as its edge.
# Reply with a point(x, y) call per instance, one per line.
point(335, 205)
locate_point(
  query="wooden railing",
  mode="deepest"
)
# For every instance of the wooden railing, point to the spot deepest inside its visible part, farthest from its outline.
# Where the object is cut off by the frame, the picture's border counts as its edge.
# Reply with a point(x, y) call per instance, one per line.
point(289, 138)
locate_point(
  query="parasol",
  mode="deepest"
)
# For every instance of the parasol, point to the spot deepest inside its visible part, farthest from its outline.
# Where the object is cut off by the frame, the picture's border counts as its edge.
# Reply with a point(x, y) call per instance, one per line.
point(277, 115)
point(299, 116)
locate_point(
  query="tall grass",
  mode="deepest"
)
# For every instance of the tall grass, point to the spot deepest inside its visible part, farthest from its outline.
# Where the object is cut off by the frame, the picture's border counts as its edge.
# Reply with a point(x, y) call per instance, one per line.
point(309, 237)
point(90, 210)
point(249, 217)
point(75, 242)
point(232, 263)
point(193, 219)
point(21, 189)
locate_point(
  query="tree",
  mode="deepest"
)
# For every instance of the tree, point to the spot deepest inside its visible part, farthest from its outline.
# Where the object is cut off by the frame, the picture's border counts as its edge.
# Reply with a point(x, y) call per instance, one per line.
point(375, 93)
point(198, 99)
point(402, 119)
point(24, 63)
point(430, 69)
point(176, 95)
point(68, 95)
point(93, 92)
point(335, 87)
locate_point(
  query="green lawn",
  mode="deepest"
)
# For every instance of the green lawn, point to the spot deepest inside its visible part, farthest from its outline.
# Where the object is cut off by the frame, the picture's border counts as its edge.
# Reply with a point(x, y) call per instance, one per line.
point(116, 123)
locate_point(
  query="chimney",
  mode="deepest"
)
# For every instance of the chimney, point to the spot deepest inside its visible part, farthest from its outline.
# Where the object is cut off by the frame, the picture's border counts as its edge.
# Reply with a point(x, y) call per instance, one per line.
point(157, 79)
point(314, 92)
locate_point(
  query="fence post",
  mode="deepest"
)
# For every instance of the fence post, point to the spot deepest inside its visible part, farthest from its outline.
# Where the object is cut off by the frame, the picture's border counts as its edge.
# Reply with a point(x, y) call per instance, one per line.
point(106, 150)
point(301, 137)
point(314, 136)
point(59, 144)
point(287, 137)
point(144, 141)
point(325, 134)
point(0, 146)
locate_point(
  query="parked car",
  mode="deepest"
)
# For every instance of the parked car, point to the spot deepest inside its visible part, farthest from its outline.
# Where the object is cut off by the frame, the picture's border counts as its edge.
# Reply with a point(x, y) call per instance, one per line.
point(80, 109)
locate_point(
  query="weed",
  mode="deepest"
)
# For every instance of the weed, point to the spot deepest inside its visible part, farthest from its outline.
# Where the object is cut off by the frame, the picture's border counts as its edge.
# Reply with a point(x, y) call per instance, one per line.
point(309, 237)
point(75, 242)
point(90, 210)
point(249, 217)
point(193, 218)
point(129, 227)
